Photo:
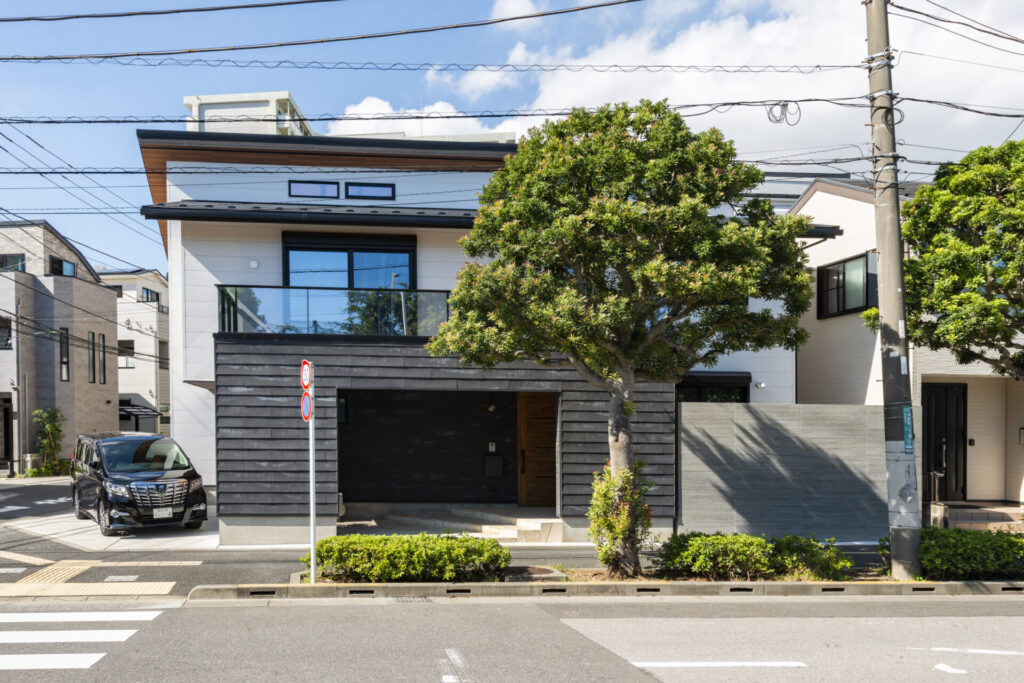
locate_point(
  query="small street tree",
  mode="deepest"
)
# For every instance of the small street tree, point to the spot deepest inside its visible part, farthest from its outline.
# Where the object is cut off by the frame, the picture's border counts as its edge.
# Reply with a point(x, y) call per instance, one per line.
point(606, 248)
point(965, 276)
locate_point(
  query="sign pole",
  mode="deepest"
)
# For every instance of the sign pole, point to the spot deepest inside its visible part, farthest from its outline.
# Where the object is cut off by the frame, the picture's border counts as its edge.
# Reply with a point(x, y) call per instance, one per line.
point(312, 479)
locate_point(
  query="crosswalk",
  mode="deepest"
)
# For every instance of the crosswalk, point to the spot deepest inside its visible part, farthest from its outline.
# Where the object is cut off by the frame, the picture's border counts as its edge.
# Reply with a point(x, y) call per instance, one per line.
point(35, 629)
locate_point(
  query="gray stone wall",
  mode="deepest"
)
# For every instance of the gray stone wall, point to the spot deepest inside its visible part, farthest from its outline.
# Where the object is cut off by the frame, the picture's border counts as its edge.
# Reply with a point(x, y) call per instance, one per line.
point(779, 469)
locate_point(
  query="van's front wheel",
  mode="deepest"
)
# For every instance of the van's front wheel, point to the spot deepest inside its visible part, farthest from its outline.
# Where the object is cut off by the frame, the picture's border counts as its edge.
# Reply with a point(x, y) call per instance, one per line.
point(104, 518)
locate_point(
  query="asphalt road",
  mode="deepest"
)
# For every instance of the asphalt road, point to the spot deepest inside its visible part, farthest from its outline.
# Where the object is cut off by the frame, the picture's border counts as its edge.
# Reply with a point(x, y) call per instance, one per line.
point(556, 639)
point(33, 500)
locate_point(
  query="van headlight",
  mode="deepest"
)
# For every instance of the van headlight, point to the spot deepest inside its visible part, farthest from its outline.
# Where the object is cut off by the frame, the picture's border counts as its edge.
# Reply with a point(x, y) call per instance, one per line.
point(194, 484)
point(116, 489)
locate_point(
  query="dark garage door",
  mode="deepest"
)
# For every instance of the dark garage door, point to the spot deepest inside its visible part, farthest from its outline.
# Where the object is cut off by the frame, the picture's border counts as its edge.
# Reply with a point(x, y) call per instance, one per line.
point(427, 447)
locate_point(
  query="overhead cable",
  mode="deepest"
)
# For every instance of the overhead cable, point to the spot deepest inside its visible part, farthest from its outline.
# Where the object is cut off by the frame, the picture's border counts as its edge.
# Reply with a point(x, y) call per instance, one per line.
point(321, 41)
point(943, 28)
point(990, 31)
point(463, 67)
point(155, 12)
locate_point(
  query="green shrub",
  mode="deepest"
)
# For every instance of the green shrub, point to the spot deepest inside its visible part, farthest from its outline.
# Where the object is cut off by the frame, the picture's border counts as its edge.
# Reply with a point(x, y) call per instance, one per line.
point(966, 554)
point(799, 557)
point(48, 442)
point(738, 556)
point(670, 555)
point(885, 551)
point(620, 520)
point(424, 557)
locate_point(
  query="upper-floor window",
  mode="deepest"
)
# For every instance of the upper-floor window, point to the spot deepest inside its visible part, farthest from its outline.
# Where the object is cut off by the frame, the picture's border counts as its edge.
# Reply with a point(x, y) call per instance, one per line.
point(92, 357)
point(150, 295)
point(369, 190)
point(65, 354)
point(59, 266)
point(165, 360)
point(349, 261)
point(118, 290)
point(126, 353)
point(848, 286)
point(12, 262)
point(5, 334)
point(320, 189)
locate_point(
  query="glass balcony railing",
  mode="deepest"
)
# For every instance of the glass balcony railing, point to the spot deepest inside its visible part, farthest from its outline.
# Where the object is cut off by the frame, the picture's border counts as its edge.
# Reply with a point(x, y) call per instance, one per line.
point(312, 310)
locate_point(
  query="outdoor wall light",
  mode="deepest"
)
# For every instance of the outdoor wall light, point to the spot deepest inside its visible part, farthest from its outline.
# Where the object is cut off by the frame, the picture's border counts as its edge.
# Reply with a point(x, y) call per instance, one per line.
point(491, 407)
point(254, 264)
point(760, 385)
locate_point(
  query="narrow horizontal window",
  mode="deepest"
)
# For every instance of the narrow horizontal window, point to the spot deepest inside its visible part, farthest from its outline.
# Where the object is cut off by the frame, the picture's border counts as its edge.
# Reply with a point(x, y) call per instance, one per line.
point(313, 188)
point(369, 191)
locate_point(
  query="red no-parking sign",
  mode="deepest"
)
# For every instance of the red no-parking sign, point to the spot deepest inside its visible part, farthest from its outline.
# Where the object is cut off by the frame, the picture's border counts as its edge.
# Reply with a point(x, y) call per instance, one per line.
point(307, 406)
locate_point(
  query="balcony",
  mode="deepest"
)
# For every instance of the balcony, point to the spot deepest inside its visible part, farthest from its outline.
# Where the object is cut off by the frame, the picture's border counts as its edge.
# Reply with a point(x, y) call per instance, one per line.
point(347, 312)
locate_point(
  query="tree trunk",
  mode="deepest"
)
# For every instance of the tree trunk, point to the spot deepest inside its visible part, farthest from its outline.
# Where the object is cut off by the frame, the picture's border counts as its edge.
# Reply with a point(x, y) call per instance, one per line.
point(620, 429)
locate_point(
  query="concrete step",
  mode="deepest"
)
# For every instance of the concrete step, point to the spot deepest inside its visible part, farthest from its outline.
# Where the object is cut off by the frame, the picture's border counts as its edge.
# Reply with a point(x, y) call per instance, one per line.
point(433, 524)
point(485, 515)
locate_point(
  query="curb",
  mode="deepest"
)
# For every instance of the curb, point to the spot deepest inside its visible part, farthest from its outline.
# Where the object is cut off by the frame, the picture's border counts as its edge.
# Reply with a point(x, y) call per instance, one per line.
point(603, 588)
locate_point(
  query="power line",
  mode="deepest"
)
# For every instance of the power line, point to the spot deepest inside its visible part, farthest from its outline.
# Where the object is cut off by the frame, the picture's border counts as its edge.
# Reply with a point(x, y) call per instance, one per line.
point(804, 69)
point(771, 104)
point(962, 61)
point(323, 41)
point(156, 12)
point(964, 16)
point(947, 30)
point(1008, 113)
point(990, 31)
point(74, 340)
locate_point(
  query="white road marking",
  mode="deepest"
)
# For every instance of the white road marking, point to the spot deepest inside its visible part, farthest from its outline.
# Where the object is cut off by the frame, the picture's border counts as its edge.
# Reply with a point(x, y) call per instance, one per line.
point(83, 636)
point(712, 665)
point(948, 669)
point(26, 559)
point(122, 577)
point(11, 570)
point(53, 501)
point(50, 661)
point(455, 665)
point(12, 508)
point(972, 651)
point(67, 617)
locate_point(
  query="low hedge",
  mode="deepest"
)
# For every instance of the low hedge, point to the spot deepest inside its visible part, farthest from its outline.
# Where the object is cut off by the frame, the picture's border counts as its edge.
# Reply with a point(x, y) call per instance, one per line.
point(424, 557)
point(720, 557)
point(969, 554)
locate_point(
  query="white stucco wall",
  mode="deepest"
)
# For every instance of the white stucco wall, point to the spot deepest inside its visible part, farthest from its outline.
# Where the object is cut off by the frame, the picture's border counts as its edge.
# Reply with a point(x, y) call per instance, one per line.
point(1014, 489)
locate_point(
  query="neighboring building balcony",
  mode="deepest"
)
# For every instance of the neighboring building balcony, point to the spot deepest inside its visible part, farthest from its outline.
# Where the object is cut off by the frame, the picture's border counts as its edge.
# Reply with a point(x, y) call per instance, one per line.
point(332, 311)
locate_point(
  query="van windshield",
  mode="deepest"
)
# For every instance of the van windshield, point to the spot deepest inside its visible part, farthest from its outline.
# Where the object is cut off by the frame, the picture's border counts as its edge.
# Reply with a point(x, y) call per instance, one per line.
point(134, 455)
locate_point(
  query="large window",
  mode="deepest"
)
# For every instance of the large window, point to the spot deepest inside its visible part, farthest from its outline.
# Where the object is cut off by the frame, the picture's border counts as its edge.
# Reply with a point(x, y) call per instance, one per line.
point(165, 360)
point(349, 262)
point(126, 353)
point(5, 334)
point(103, 359)
point(150, 295)
point(12, 262)
point(849, 286)
point(65, 355)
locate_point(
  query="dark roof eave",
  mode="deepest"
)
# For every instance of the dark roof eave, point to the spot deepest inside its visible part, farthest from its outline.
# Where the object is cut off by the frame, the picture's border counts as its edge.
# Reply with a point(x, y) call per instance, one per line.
point(434, 220)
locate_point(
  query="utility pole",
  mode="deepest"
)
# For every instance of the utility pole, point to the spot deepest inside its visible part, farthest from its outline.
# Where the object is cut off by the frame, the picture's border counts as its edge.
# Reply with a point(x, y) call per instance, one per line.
point(900, 462)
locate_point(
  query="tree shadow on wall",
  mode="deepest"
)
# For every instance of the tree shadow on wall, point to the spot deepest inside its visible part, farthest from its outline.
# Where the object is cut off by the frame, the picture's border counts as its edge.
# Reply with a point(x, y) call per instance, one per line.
point(748, 472)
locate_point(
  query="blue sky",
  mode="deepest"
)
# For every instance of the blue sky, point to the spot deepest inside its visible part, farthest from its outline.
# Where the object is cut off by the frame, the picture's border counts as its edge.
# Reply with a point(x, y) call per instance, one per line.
point(656, 31)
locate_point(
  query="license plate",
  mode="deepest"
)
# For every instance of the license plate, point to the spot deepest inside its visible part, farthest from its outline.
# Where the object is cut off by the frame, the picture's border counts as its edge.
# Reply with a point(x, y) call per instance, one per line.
point(162, 513)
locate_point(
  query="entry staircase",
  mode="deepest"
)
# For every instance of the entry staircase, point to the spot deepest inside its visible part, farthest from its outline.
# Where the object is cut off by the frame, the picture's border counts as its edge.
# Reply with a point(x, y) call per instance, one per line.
point(505, 524)
point(988, 516)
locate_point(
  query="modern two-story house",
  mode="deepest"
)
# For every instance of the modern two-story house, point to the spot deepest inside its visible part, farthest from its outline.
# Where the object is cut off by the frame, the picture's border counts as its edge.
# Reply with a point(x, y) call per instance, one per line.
point(972, 419)
point(58, 340)
point(143, 369)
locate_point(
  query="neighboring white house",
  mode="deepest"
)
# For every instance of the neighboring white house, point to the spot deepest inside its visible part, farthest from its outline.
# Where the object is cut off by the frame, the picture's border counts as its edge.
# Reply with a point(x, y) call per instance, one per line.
point(267, 113)
point(57, 340)
point(973, 419)
point(142, 344)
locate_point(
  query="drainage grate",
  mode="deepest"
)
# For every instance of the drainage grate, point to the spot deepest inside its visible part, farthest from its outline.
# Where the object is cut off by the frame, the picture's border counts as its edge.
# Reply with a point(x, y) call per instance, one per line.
point(741, 589)
point(459, 591)
point(644, 589)
point(833, 589)
point(1013, 589)
point(410, 600)
point(262, 593)
point(553, 591)
point(361, 591)
point(923, 589)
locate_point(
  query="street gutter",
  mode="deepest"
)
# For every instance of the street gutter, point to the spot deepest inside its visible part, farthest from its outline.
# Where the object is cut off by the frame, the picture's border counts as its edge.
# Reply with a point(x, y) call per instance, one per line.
point(605, 588)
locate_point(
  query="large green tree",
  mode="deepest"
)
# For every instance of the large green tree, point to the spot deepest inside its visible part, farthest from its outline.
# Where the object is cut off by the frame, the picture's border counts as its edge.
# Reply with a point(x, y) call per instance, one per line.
point(618, 241)
point(965, 276)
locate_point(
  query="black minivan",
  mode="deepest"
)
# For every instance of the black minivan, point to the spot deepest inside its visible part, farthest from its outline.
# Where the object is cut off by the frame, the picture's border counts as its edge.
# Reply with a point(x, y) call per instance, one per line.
point(126, 481)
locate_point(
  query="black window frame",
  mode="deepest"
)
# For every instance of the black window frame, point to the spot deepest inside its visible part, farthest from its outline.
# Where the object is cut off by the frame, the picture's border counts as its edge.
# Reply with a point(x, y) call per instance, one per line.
point(64, 359)
point(870, 286)
point(702, 382)
point(118, 290)
point(397, 244)
point(350, 184)
point(57, 264)
point(92, 358)
point(336, 184)
point(164, 353)
point(148, 295)
point(103, 358)
point(19, 262)
point(7, 324)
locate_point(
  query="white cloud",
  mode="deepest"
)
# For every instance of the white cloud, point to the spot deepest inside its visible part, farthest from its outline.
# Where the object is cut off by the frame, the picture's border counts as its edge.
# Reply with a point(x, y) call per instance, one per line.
point(515, 8)
point(481, 81)
point(437, 126)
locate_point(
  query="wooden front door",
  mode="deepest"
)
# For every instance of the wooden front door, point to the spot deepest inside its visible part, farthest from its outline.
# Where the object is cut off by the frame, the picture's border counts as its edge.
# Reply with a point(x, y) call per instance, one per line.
point(537, 432)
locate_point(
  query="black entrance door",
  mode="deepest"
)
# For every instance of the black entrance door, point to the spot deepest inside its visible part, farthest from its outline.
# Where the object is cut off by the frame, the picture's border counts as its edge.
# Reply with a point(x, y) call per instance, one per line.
point(945, 441)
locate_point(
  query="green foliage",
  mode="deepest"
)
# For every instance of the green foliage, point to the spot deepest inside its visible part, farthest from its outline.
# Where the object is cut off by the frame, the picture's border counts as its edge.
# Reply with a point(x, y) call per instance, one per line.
point(49, 437)
point(424, 557)
point(742, 556)
point(620, 520)
point(885, 551)
point(603, 246)
point(967, 554)
point(800, 557)
point(965, 280)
